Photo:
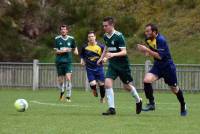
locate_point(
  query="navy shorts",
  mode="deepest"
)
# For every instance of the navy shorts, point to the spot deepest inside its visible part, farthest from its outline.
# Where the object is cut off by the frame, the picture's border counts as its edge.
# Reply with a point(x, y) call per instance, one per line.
point(96, 74)
point(168, 73)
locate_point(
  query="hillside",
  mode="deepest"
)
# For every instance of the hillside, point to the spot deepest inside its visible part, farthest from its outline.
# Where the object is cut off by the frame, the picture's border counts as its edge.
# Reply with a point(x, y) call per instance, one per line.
point(28, 27)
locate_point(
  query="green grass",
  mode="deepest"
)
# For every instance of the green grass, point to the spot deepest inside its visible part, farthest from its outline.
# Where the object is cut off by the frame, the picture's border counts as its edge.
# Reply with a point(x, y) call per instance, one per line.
point(83, 114)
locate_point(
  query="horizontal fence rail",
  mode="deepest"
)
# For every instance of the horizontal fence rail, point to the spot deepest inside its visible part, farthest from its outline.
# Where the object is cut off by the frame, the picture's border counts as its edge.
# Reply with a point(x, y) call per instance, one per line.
point(43, 75)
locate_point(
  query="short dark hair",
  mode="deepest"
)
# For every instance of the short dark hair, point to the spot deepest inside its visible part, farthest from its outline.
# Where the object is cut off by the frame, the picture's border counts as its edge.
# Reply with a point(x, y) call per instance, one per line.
point(91, 32)
point(64, 25)
point(154, 28)
point(109, 19)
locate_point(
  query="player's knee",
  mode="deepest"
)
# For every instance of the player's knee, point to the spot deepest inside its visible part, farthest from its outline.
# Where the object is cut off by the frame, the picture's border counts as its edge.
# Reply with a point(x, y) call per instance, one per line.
point(92, 83)
point(174, 89)
point(127, 87)
point(108, 83)
point(147, 80)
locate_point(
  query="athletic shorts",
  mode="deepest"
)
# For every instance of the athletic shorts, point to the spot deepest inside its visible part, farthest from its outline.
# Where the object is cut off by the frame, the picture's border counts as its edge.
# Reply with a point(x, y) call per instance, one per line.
point(123, 72)
point(63, 68)
point(95, 74)
point(168, 73)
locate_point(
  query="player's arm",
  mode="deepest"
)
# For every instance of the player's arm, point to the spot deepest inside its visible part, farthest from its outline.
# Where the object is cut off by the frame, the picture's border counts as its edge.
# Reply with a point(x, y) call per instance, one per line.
point(74, 47)
point(148, 52)
point(122, 46)
point(82, 55)
point(103, 55)
point(123, 52)
point(76, 51)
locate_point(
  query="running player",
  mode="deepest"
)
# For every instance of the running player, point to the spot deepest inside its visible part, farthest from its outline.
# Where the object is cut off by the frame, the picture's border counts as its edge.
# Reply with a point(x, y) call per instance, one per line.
point(64, 46)
point(118, 65)
point(163, 67)
point(91, 57)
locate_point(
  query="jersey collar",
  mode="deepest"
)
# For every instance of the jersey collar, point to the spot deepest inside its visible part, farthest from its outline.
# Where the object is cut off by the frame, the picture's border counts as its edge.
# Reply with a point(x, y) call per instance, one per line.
point(64, 38)
point(110, 36)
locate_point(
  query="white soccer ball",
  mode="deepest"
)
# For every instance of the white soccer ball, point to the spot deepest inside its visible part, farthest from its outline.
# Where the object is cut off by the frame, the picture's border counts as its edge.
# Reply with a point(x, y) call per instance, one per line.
point(21, 105)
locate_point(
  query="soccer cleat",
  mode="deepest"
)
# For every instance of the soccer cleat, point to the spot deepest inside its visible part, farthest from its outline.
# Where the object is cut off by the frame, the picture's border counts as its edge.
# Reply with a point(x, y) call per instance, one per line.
point(183, 110)
point(68, 99)
point(149, 107)
point(95, 93)
point(102, 100)
point(110, 111)
point(62, 98)
point(139, 107)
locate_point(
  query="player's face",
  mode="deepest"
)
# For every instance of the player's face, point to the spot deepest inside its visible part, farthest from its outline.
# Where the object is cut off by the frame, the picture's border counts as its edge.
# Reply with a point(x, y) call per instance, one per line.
point(91, 38)
point(148, 32)
point(107, 27)
point(63, 31)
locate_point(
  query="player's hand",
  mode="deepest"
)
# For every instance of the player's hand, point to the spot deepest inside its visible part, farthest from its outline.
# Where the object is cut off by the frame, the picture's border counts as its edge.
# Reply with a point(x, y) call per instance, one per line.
point(105, 60)
point(109, 55)
point(142, 48)
point(82, 62)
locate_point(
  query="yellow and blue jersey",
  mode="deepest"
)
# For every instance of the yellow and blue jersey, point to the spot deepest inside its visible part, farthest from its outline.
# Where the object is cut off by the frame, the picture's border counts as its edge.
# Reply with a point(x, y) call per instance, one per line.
point(159, 44)
point(91, 54)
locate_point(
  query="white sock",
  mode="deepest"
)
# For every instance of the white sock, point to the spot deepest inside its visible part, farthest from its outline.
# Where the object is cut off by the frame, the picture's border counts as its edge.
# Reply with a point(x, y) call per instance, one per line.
point(61, 87)
point(134, 93)
point(110, 97)
point(69, 88)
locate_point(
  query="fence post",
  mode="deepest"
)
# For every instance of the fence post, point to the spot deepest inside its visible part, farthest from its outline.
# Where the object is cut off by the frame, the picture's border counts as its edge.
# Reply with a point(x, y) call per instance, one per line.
point(35, 74)
point(147, 66)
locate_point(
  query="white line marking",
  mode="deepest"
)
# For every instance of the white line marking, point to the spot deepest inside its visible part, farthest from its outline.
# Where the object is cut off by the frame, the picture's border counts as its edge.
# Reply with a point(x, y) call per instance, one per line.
point(55, 104)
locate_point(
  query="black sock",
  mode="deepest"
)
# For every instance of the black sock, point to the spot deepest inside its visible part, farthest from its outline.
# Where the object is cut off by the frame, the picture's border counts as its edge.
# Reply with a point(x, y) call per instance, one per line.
point(180, 97)
point(61, 94)
point(149, 92)
point(102, 91)
point(93, 87)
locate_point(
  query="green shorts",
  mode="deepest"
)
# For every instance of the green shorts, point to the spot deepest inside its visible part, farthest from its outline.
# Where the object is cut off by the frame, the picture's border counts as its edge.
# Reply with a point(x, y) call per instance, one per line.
point(124, 73)
point(63, 68)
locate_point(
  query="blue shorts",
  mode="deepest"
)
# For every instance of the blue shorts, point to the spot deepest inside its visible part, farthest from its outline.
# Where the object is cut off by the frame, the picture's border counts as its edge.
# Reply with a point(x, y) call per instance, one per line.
point(168, 73)
point(96, 74)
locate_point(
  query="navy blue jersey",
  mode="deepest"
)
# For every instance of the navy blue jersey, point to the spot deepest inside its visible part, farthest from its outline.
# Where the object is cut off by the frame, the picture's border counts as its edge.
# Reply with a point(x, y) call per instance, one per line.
point(91, 54)
point(159, 45)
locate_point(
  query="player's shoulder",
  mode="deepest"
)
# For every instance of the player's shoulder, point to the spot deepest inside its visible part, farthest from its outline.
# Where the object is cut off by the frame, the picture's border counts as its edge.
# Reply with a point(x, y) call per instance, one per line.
point(70, 37)
point(118, 33)
point(160, 38)
point(58, 37)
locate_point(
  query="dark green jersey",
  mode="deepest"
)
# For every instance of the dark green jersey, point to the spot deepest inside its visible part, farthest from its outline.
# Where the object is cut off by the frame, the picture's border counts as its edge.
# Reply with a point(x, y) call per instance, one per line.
point(114, 43)
point(61, 43)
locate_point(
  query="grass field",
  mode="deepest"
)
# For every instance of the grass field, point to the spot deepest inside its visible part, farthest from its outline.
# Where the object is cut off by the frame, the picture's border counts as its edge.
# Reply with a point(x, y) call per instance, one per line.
point(46, 115)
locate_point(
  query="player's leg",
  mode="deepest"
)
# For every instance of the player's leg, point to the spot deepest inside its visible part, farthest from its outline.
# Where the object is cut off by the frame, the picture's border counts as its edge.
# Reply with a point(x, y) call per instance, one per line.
point(93, 86)
point(126, 78)
point(110, 76)
point(61, 87)
point(92, 81)
point(170, 78)
point(148, 89)
point(68, 76)
point(100, 78)
point(179, 94)
point(102, 91)
point(110, 97)
point(68, 87)
point(60, 80)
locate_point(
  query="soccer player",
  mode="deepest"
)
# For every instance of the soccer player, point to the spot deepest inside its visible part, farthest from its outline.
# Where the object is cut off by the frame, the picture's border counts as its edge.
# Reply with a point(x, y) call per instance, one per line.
point(91, 57)
point(64, 46)
point(163, 67)
point(118, 65)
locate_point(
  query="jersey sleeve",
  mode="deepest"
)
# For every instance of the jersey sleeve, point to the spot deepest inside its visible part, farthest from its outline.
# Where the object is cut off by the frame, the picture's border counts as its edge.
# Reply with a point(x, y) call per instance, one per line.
point(121, 41)
point(82, 53)
point(73, 43)
point(162, 48)
point(56, 46)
